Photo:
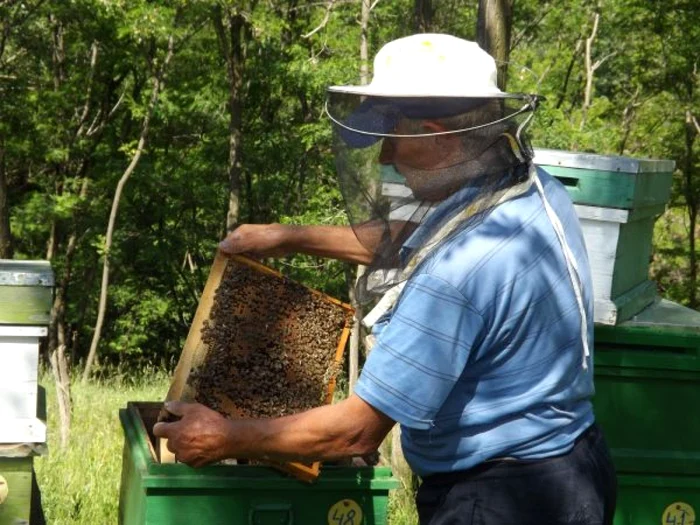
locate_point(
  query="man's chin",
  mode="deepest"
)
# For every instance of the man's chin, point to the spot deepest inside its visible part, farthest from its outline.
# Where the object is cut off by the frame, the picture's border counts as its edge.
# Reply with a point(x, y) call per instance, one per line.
point(433, 193)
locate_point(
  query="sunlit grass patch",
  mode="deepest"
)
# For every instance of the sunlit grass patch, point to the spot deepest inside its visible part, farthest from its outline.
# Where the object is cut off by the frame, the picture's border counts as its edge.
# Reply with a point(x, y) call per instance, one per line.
point(80, 485)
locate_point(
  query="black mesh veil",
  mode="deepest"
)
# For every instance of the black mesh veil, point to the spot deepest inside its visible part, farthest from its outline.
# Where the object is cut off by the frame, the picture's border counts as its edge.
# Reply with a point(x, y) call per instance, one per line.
point(413, 171)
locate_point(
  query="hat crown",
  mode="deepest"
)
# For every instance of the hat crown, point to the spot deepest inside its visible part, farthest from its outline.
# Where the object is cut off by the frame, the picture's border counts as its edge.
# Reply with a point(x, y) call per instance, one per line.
point(434, 65)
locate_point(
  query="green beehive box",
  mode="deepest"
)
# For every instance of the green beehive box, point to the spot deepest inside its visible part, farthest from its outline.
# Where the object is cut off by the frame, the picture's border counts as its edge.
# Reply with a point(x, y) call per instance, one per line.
point(26, 292)
point(15, 489)
point(172, 494)
point(617, 200)
point(657, 500)
point(647, 377)
point(20, 500)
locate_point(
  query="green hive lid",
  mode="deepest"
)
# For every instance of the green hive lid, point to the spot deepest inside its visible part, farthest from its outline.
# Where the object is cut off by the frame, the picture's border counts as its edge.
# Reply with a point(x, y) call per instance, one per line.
point(610, 181)
point(668, 315)
point(664, 324)
point(25, 273)
point(591, 161)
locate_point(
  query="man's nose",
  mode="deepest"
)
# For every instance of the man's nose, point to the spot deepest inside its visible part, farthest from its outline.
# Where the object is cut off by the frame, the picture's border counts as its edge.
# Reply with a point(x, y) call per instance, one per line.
point(386, 154)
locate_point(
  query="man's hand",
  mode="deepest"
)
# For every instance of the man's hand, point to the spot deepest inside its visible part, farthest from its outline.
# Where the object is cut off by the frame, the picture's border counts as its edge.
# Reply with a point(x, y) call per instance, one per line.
point(200, 437)
point(258, 240)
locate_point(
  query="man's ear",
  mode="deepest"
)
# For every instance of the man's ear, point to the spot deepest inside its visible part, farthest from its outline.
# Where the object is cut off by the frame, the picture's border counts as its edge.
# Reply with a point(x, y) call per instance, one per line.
point(447, 140)
point(432, 126)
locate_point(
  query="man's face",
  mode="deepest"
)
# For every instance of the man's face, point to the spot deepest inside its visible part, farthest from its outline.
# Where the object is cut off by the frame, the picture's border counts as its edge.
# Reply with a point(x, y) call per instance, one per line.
point(421, 160)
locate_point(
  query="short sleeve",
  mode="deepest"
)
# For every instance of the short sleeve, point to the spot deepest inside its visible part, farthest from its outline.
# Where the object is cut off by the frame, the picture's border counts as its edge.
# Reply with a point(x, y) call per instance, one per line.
point(420, 354)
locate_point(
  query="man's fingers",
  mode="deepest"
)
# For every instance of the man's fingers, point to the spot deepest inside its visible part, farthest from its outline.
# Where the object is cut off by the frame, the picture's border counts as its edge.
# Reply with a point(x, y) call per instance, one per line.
point(161, 430)
point(234, 242)
point(177, 409)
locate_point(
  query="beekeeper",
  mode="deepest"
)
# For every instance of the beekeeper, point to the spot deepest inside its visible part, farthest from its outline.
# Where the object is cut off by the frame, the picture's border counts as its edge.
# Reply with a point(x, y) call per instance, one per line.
point(483, 336)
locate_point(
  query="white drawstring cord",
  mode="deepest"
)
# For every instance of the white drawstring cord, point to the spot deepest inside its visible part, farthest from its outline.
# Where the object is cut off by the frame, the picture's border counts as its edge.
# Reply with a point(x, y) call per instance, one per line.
point(571, 267)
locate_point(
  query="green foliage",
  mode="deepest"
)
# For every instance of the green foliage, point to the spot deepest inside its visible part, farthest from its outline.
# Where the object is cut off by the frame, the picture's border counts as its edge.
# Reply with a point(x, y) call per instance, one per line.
point(69, 129)
point(670, 260)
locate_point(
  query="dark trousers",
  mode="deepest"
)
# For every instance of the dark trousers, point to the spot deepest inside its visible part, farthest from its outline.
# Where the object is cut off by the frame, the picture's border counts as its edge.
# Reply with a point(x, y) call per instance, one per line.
point(579, 488)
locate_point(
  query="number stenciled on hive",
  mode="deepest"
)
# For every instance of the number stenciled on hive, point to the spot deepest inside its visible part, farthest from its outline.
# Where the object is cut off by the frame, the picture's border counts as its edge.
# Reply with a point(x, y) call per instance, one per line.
point(345, 512)
point(678, 513)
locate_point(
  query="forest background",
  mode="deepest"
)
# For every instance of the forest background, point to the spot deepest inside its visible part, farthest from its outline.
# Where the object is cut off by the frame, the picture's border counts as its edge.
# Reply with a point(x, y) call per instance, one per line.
point(144, 130)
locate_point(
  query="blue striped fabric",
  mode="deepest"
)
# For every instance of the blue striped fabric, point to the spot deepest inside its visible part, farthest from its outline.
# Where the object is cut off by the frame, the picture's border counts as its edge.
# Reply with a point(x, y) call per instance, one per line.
point(481, 356)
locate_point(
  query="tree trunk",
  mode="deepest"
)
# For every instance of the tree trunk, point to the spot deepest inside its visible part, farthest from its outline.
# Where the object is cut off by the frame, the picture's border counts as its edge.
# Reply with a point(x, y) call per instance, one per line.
point(364, 44)
point(57, 354)
point(6, 251)
point(691, 202)
point(59, 369)
point(232, 47)
point(423, 15)
point(590, 69)
point(493, 31)
point(567, 77)
point(356, 330)
point(57, 351)
point(60, 363)
point(158, 84)
point(628, 116)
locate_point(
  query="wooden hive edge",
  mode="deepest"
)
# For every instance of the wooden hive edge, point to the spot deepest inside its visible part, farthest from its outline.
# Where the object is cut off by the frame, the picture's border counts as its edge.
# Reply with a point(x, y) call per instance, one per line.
point(255, 265)
point(300, 471)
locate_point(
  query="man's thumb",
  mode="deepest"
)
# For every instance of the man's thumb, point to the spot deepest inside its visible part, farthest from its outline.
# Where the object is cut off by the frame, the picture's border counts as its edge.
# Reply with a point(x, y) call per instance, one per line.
point(176, 408)
point(226, 246)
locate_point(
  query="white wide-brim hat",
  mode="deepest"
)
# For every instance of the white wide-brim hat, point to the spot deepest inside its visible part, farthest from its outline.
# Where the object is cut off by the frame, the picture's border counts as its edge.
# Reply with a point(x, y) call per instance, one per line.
point(432, 65)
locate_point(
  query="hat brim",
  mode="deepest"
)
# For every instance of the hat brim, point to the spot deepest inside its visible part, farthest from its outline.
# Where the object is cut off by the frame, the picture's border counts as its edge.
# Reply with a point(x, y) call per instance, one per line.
point(376, 116)
point(370, 123)
point(376, 91)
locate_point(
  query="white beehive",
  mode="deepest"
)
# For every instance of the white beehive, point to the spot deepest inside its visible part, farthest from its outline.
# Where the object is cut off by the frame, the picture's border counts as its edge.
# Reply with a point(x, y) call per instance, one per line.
point(19, 359)
point(617, 200)
point(25, 302)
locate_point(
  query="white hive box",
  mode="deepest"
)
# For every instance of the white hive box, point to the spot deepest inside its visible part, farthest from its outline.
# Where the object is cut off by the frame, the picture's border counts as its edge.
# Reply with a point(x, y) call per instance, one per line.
point(25, 301)
point(617, 200)
point(19, 359)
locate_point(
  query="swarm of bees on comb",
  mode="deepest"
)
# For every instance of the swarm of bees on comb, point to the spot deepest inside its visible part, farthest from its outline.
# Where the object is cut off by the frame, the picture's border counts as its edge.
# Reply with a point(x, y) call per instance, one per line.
point(272, 346)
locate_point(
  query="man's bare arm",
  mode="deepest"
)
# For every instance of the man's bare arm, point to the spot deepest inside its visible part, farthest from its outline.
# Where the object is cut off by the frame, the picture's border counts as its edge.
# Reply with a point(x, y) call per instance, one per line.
point(346, 429)
point(336, 242)
point(275, 240)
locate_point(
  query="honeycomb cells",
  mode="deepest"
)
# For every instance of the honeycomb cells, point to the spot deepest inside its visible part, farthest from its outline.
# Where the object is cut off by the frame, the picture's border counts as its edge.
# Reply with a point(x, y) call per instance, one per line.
point(270, 344)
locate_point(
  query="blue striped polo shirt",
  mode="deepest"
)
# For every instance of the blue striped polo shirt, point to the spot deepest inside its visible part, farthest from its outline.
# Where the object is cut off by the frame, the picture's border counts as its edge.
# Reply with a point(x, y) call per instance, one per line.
point(481, 357)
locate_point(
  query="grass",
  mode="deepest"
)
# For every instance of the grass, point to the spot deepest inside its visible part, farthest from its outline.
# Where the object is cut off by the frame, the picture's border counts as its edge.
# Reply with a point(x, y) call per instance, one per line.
point(80, 485)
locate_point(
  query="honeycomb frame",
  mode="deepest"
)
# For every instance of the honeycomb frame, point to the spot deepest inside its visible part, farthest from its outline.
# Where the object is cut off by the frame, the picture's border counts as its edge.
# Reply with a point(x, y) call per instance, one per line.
point(195, 349)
